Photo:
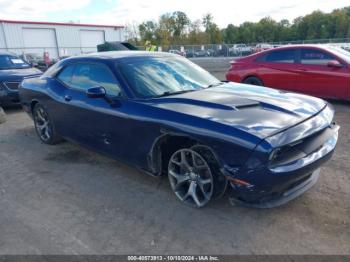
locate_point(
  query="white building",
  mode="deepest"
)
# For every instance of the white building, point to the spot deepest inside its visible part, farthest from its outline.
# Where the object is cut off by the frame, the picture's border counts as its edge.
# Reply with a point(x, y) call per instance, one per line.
point(59, 39)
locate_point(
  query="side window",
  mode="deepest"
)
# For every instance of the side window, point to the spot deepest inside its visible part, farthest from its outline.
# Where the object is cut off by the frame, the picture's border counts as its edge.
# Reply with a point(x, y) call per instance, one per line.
point(281, 56)
point(104, 77)
point(315, 57)
point(90, 75)
point(81, 77)
point(66, 75)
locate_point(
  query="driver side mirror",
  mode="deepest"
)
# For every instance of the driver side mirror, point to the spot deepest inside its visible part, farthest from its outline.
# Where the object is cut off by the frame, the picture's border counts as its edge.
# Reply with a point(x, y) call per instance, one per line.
point(334, 64)
point(96, 92)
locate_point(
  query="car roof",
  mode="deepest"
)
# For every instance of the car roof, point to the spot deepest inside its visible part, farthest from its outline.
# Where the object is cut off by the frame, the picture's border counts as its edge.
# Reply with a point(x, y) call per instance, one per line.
point(286, 47)
point(123, 54)
point(321, 46)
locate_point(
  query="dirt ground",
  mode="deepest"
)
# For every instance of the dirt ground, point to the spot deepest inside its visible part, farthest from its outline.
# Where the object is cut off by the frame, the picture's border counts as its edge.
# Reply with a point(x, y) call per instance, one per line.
point(64, 199)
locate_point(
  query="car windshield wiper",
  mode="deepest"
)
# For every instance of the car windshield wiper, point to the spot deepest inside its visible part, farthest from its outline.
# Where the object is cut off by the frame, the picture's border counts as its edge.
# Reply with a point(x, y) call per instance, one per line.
point(216, 84)
point(167, 93)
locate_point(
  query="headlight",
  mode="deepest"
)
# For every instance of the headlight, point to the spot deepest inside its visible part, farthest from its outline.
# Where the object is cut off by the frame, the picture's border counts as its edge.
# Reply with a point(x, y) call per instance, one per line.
point(275, 154)
point(286, 153)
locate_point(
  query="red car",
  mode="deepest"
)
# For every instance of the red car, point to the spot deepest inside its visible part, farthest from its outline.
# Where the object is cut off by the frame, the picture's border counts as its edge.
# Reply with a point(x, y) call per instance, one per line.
point(322, 71)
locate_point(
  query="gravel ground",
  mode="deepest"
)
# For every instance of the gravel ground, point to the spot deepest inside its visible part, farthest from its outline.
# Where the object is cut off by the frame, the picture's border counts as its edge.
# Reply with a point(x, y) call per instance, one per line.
point(64, 199)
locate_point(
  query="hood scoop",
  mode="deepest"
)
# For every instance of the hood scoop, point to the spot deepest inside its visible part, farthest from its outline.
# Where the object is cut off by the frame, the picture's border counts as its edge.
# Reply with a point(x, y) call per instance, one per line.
point(193, 102)
point(248, 104)
point(220, 102)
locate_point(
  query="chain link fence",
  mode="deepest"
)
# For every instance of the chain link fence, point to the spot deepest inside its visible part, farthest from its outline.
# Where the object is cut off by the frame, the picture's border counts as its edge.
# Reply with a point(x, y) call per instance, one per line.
point(190, 51)
point(234, 50)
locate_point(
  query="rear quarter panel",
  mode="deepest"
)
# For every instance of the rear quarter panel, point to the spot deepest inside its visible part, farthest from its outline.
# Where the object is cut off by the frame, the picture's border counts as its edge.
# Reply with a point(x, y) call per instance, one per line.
point(240, 71)
point(33, 90)
point(29, 93)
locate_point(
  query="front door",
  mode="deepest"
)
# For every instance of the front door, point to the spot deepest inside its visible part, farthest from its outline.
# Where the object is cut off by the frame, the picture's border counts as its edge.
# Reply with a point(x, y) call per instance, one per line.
point(92, 122)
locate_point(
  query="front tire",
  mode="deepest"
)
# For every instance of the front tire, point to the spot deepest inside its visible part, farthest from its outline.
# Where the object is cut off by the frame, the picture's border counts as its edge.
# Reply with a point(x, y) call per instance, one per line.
point(194, 178)
point(252, 80)
point(44, 126)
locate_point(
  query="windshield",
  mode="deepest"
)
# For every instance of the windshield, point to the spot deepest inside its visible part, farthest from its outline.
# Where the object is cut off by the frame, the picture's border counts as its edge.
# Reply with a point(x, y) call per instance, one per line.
point(343, 54)
point(157, 76)
point(12, 62)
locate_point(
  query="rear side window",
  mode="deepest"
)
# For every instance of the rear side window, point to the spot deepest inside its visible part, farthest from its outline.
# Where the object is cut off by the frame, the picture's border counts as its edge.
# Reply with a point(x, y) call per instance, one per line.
point(281, 56)
point(66, 75)
point(315, 57)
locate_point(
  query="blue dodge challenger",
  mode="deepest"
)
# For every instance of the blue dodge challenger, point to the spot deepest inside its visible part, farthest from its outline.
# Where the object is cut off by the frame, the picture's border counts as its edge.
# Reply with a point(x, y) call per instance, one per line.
point(165, 115)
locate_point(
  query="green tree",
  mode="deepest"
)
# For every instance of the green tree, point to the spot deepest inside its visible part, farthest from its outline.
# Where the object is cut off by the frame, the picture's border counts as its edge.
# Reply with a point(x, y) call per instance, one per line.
point(341, 21)
point(147, 30)
point(177, 28)
point(164, 31)
point(285, 31)
point(230, 34)
point(207, 22)
point(196, 35)
point(266, 30)
point(180, 22)
point(213, 31)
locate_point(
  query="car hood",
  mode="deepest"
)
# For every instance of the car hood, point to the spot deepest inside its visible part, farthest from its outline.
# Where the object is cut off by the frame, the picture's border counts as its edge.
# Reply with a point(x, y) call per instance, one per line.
point(259, 111)
point(18, 74)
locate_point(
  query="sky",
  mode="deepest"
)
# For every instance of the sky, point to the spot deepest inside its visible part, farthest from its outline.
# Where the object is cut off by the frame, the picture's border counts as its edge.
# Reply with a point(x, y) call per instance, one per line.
point(122, 12)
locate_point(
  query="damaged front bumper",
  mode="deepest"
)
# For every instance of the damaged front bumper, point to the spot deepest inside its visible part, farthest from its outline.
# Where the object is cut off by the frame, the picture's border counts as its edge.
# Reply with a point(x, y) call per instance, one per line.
point(273, 200)
point(270, 187)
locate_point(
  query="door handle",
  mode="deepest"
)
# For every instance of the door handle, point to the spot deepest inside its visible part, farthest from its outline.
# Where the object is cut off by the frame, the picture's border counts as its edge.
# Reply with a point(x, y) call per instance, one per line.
point(67, 98)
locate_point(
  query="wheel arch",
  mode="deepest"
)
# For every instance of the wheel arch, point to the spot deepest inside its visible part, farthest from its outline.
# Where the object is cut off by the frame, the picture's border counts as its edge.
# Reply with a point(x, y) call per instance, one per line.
point(54, 138)
point(252, 75)
point(32, 105)
point(167, 144)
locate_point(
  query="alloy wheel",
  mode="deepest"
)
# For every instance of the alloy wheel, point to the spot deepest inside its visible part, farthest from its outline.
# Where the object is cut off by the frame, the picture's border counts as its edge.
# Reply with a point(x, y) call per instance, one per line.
point(42, 124)
point(190, 177)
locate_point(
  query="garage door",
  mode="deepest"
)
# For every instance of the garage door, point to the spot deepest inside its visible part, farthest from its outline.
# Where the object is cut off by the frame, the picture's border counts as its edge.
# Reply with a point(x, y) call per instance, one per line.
point(89, 39)
point(40, 40)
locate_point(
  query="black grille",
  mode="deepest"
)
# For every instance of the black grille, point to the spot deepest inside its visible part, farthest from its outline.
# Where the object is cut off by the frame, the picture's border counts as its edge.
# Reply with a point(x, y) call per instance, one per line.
point(12, 85)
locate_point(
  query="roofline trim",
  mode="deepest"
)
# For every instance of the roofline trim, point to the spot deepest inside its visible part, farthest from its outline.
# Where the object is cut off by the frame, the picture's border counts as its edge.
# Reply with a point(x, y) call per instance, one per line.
point(56, 23)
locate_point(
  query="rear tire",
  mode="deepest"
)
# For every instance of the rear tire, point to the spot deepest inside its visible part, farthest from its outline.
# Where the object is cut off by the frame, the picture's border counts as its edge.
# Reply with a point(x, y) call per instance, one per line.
point(252, 80)
point(44, 126)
